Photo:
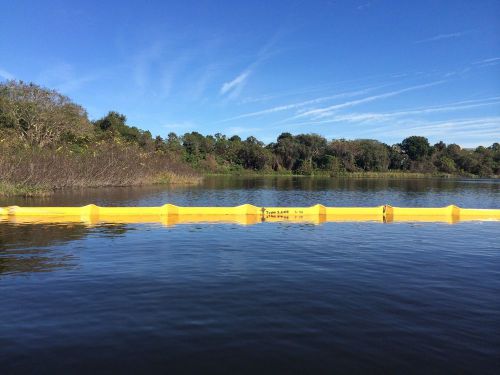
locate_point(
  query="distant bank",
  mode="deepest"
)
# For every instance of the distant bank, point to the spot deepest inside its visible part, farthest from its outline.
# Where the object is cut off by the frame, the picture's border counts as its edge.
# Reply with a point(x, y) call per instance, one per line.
point(47, 142)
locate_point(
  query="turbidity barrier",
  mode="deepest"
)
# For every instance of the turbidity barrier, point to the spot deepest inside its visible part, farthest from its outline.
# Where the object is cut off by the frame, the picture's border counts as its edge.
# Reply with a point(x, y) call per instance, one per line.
point(170, 214)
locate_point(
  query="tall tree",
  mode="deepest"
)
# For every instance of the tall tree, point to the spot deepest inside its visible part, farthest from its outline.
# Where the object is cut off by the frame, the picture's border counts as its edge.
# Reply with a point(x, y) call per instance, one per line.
point(417, 148)
point(39, 116)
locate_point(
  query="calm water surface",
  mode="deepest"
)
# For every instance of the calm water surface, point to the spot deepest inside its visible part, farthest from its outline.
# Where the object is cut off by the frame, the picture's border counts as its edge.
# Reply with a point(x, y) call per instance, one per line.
point(266, 298)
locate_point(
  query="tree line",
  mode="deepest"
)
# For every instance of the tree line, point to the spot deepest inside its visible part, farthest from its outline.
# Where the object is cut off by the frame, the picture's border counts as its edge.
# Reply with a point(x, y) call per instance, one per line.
point(35, 117)
point(310, 153)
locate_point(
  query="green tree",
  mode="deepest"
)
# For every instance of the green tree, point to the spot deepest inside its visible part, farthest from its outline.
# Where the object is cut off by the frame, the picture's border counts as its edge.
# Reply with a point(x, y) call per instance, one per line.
point(287, 150)
point(114, 125)
point(39, 116)
point(417, 148)
point(192, 143)
point(439, 147)
point(446, 164)
point(174, 143)
point(345, 151)
point(160, 145)
point(397, 159)
point(253, 155)
point(453, 151)
point(310, 148)
point(113, 122)
point(372, 155)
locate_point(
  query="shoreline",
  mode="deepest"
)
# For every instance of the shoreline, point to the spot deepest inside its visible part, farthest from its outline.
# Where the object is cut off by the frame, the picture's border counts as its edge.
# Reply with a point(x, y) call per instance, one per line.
point(8, 189)
point(354, 175)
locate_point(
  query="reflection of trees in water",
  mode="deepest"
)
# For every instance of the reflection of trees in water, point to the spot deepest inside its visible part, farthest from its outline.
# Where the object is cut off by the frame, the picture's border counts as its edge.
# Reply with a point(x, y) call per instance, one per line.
point(32, 260)
point(334, 183)
point(81, 197)
point(28, 248)
point(129, 196)
point(346, 183)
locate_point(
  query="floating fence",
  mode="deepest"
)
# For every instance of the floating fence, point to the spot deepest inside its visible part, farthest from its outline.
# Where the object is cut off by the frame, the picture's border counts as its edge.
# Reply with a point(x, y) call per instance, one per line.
point(246, 214)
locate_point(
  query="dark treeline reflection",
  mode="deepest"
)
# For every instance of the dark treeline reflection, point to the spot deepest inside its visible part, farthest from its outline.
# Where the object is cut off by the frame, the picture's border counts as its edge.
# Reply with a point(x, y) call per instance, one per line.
point(119, 196)
point(28, 248)
point(226, 186)
point(349, 184)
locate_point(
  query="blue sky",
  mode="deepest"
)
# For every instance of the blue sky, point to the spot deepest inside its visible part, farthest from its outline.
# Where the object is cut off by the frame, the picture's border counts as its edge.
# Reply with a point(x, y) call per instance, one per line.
point(344, 69)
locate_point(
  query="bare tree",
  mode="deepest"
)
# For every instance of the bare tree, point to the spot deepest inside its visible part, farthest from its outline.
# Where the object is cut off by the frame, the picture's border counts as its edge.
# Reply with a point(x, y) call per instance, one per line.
point(40, 117)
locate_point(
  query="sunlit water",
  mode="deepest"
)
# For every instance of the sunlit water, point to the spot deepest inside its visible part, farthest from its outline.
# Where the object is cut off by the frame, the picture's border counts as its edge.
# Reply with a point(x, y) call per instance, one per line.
point(265, 298)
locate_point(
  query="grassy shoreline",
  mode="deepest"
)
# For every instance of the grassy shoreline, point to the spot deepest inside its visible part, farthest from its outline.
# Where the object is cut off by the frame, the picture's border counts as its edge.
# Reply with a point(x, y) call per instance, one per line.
point(8, 189)
point(33, 172)
point(323, 174)
point(11, 190)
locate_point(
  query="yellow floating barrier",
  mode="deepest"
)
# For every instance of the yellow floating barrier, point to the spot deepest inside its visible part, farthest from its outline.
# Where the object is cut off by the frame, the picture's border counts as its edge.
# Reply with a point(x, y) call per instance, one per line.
point(246, 214)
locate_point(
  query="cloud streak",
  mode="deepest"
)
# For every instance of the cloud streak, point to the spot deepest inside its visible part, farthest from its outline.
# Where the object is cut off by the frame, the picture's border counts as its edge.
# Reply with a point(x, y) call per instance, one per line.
point(363, 6)
point(376, 117)
point(239, 130)
point(438, 37)
point(413, 121)
point(233, 87)
point(478, 126)
point(236, 83)
point(142, 63)
point(6, 75)
point(63, 77)
point(180, 125)
point(287, 107)
point(467, 131)
point(487, 62)
point(328, 111)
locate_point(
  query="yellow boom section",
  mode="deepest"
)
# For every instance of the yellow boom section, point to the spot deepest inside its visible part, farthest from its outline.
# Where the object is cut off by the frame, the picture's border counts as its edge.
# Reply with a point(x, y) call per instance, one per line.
point(169, 214)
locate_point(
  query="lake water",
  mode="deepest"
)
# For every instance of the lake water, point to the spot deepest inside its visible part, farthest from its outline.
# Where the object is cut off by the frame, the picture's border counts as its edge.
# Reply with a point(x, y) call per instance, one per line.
point(265, 298)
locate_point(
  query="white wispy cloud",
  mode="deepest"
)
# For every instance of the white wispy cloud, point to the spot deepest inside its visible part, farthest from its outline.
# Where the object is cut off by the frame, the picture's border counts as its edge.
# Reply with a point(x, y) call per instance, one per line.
point(370, 117)
point(287, 107)
point(487, 62)
point(179, 125)
point(406, 122)
point(363, 6)
point(488, 126)
point(200, 80)
point(236, 84)
point(444, 36)
point(6, 75)
point(63, 77)
point(467, 131)
point(142, 63)
point(456, 106)
point(233, 87)
point(76, 83)
point(326, 87)
point(163, 67)
point(471, 67)
point(171, 70)
point(240, 130)
point(328, 111)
